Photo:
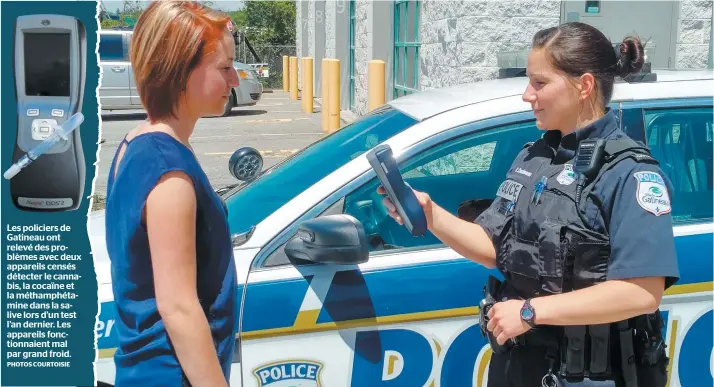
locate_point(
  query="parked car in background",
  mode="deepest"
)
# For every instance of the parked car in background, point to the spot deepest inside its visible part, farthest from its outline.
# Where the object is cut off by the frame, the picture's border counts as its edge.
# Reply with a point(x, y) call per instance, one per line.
point(117, 89)
point(249, 91)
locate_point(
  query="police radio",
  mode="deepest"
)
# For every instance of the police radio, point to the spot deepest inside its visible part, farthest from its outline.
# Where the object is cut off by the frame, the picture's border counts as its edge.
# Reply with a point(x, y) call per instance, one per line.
point(588, 160)
point(49, 67)
point(406, 203)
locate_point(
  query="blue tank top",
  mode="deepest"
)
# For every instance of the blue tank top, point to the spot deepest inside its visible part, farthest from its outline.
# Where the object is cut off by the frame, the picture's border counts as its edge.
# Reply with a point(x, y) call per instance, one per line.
point(145, 355)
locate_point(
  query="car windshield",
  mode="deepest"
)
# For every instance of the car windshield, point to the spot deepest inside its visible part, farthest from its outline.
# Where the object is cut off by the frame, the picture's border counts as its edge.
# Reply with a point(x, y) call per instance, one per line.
point(250, 203)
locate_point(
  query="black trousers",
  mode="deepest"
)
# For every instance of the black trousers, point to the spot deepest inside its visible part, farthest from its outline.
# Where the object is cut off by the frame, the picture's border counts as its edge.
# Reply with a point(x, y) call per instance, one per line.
point(526, 366)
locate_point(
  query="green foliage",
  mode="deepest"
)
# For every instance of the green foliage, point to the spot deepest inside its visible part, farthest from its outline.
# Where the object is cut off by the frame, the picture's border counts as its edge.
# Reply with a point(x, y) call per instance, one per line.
point(125, 16)
point(270, 22)
point(240, 19)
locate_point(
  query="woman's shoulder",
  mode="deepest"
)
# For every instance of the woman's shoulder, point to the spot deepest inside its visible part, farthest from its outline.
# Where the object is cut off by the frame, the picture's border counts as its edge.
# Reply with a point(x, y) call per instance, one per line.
point(158, 149)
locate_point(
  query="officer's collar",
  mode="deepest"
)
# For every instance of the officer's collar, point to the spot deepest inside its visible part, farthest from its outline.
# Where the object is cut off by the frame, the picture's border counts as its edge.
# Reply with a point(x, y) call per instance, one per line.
point(565, 146)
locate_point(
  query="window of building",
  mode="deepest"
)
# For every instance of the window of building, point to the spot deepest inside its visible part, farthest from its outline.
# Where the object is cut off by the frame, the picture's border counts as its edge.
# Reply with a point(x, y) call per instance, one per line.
point(406, 47)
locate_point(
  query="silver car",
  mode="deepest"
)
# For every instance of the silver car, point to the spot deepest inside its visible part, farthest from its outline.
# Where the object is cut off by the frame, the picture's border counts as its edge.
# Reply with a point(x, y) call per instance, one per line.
point(117, 89)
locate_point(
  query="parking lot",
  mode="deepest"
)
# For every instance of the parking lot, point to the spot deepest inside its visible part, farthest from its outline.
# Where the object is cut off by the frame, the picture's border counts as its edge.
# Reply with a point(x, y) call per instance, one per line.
point(276, 127)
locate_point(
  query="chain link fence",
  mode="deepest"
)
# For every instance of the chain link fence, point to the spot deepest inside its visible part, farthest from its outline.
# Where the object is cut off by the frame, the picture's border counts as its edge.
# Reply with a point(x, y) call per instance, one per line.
point(270, 55)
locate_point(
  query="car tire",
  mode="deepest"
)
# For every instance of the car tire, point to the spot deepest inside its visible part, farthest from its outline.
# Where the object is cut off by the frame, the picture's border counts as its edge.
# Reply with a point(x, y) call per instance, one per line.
point(229, 105)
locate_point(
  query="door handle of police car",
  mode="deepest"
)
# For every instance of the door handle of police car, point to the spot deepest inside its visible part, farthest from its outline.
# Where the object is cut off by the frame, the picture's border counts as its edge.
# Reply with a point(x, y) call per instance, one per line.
point(118, 69)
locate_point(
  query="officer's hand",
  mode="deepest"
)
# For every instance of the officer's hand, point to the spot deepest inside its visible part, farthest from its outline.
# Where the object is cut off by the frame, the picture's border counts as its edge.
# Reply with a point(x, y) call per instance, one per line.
point(422, 197)
point(505, 320)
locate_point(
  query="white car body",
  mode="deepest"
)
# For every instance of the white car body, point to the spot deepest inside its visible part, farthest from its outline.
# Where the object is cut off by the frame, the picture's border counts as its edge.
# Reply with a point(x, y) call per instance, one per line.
point(329, 346)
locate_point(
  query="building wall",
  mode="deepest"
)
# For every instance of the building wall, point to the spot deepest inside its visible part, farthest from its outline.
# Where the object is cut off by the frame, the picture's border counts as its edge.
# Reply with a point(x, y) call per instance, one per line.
point(320, 36)
point(299, 25)
point(383, 41)
point(310, 28)
point(363, 52)
point(330, 20)
point(694, 34)
point(460, 39)
point(336, 30)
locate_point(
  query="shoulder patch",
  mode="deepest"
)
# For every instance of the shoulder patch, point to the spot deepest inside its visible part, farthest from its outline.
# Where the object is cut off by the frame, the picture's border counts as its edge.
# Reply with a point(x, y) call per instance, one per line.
point(652, 193)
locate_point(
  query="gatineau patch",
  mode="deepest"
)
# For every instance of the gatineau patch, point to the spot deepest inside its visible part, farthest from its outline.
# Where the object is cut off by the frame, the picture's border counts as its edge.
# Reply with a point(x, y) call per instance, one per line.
point(652, 193)
point(567, 176)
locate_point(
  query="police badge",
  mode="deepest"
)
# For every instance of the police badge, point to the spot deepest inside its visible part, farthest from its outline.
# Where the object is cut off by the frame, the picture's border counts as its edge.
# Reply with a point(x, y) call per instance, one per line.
point(567, 175)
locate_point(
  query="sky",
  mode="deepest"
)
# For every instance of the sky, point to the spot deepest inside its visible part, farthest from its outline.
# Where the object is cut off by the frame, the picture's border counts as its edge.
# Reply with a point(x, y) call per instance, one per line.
point(224, 5)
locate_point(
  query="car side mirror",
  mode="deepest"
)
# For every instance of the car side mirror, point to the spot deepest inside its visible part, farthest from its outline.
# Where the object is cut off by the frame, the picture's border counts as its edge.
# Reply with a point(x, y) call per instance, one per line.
point(333, 239)
point(245, 164)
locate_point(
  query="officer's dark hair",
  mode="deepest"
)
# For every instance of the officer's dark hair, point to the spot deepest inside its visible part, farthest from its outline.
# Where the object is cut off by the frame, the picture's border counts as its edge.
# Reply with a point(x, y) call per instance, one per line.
point(578, 48)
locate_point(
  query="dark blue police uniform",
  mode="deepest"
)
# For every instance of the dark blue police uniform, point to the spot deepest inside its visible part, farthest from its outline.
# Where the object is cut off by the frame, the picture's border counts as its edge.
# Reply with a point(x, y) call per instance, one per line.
point(145, 355)
point(557, 231)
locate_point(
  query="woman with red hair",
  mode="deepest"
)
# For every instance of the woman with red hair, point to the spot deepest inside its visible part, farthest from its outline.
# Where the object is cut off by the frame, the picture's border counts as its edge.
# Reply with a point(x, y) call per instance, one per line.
point(173, 273)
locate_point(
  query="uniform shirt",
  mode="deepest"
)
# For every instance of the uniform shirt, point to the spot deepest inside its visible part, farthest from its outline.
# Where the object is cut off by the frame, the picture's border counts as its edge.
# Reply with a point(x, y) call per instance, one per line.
point(145, 355)
point(641, 233)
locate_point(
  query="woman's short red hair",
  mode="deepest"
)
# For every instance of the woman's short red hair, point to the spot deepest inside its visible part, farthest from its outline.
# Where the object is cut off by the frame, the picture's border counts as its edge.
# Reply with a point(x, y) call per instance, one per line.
point(168, 42)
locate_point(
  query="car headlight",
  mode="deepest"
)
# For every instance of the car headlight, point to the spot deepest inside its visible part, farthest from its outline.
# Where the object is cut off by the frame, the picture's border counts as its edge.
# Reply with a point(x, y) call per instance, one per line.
point(245, 74)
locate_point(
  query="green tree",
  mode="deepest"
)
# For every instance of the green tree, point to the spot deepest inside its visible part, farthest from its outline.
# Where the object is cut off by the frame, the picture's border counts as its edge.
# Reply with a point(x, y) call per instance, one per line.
point(240, 18)
point(271, 22)
point(125, 16)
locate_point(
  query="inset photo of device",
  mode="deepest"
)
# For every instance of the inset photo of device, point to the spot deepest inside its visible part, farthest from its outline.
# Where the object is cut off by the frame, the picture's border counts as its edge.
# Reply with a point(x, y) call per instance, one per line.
point(48, 166)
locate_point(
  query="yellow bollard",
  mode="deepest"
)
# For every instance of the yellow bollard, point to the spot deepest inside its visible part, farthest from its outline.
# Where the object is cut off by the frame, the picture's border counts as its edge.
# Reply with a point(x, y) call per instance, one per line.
point(334, 95)
point(376, 74)
point(293, 78)
point(286, 74)
point(302, 82)
point(307, 86)
point(325, 95)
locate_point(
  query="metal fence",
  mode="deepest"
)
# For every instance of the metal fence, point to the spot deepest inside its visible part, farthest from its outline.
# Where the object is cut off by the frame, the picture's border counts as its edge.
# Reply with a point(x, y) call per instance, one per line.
point(270, 54)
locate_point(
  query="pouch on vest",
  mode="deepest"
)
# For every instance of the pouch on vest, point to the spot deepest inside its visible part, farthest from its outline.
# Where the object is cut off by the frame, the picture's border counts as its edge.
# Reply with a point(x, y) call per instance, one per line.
point(573, 356)
point(600, 357)
point(550, 256)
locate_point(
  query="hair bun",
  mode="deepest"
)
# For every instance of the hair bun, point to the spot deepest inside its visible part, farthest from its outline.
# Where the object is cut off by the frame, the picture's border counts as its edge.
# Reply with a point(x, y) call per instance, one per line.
point(631, 58)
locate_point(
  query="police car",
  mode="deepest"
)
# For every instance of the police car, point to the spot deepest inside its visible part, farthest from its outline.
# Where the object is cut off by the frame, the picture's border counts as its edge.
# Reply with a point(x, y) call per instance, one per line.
point(403, 312)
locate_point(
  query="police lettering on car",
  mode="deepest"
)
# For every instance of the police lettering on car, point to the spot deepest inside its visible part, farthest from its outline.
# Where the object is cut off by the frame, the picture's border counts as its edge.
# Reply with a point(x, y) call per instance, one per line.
point(581, 220)
point(289, 374)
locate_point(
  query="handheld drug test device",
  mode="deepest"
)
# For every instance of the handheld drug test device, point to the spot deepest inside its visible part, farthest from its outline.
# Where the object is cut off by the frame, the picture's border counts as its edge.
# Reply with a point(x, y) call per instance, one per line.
point(49, 60)
point(406, 203)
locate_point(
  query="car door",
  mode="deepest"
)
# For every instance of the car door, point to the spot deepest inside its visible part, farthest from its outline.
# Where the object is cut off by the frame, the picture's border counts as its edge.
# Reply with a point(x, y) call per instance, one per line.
point(135, 99)
point(408, 316)
point(114, 88)
point(680, 135)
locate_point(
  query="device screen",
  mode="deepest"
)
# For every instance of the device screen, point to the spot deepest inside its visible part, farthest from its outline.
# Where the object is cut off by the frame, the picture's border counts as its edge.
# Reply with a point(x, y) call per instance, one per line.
point(47, 64)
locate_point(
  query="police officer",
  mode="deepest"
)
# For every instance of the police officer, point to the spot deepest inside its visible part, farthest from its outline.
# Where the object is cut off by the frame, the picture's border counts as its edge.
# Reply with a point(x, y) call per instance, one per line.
point(580, 230)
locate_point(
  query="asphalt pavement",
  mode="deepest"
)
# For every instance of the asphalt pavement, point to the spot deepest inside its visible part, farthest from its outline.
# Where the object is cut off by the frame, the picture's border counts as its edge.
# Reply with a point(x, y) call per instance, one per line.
point(276, 127)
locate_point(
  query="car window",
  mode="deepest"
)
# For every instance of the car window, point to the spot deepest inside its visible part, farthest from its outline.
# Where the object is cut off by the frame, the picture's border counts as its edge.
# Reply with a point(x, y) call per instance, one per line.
point(471, 160)
point(111, 47)
point(681, 140)
point(253, 202)
point(631, 124)
point(453, 173)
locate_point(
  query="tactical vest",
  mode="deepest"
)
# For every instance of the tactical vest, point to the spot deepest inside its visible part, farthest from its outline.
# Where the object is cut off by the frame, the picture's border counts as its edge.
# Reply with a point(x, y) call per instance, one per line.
point(547, 247)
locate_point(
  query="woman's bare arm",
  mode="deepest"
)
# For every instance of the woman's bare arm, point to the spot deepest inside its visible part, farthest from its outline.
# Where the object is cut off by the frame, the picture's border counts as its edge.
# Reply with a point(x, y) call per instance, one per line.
point(171, 225)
